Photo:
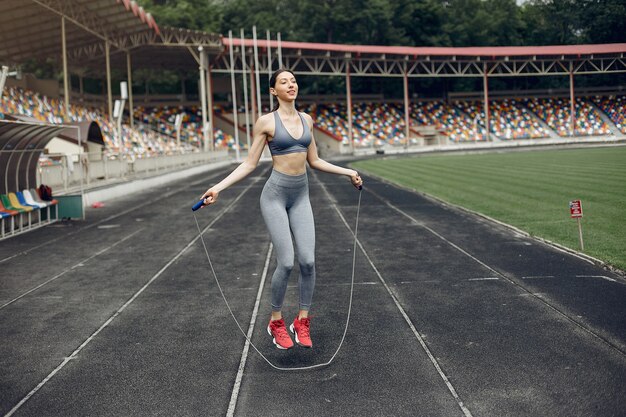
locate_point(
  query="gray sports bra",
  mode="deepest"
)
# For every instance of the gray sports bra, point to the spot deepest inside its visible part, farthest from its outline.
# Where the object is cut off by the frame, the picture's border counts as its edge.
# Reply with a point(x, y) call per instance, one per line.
point(283, 143)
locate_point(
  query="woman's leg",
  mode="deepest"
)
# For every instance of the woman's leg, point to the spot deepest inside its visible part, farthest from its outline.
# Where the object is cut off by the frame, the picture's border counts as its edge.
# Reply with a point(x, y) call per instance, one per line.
point(277, 222)
point(303, 229)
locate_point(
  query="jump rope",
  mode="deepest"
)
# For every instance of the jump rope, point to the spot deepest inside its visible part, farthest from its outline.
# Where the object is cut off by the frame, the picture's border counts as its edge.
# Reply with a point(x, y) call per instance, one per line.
point(198, 205)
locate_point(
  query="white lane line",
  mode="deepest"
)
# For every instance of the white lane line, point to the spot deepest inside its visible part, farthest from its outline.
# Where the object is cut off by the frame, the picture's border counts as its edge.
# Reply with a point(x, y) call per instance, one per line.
point(159, 199)
point(338, 284)
point(597, 276)
point(538, 296)
point(244, 354)
point(484, 279)
point(432, 358)
point(118, 312)
point(538, 277)
point(79, 264)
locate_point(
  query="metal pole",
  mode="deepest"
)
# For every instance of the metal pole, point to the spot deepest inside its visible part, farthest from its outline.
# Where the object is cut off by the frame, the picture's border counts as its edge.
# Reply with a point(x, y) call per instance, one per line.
point(3, 78)
point(269, 66)
point(253, 108)
point(257, 68)
point(209, 94)
point(280, 52)
point(406, 108)
point(205, 138)
point(580, 234)
point(486, 101)
point(234, 92)
point(129, 73)
point(349, 105)
point(107, 48)
point(572, 99)
point(245, 90)
point(66, 89)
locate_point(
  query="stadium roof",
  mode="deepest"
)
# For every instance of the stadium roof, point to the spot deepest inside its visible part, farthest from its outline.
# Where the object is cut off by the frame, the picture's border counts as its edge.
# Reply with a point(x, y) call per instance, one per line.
point(375, 60)
point(32, 28)
point(473, 51)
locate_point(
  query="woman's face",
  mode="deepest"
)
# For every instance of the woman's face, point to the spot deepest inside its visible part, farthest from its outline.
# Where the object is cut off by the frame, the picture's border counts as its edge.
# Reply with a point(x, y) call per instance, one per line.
point(286, 87)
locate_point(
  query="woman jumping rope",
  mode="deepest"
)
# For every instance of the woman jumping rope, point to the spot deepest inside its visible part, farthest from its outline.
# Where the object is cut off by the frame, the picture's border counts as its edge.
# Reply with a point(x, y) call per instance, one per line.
point(285, 204)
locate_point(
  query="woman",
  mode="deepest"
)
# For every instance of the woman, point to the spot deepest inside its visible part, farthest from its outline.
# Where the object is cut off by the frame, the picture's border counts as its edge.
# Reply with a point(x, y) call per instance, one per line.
point(285, 202)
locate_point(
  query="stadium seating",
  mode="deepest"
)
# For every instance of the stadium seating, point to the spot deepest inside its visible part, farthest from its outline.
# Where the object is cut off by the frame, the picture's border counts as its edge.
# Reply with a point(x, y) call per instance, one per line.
point(615, 109)
point(140, 141)
point(556, 113)
point(374, 124)
point(162, 120)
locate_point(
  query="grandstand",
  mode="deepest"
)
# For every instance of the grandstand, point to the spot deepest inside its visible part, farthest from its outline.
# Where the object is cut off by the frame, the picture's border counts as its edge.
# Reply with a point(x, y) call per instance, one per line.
point(375, 124)
point(145, 140)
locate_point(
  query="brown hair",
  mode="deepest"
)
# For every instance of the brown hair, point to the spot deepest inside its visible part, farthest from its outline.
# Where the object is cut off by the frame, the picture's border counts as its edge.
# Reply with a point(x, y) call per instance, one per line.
point(273, 83)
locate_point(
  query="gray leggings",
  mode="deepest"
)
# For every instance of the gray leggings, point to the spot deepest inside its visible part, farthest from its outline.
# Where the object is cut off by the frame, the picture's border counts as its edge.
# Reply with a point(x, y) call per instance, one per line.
point(287, 210)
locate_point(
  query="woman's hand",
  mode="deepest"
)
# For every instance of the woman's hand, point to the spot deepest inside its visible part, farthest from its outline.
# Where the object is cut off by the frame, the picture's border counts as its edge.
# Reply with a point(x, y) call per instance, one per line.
point(356, 180)
point(210, 197)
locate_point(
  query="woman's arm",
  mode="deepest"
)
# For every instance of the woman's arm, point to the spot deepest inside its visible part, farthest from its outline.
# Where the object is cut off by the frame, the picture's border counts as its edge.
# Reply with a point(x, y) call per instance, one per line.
point(318, 163)
point(261, 130)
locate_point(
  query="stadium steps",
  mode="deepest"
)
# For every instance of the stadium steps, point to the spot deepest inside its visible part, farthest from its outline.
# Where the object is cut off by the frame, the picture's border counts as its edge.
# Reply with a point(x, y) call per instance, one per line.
point(612, 127)
point(551, 132)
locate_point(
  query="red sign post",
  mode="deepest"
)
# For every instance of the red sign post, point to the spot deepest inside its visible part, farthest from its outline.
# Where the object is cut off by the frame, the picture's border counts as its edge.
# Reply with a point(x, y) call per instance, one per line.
point(576, 212)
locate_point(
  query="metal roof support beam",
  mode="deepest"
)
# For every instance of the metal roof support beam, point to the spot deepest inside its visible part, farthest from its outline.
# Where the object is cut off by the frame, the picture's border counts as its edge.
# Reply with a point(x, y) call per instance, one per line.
point(77, 15)
point(349, 106)
point(405, 80)
point(210, 115)
point(572, 99)
point(269, 66)
point(66, 89)
point(257, 69)
point(205, 138)
point(486, 101)
point(234, 97)
point(3, 78)
point(129, 75)
point(108, 71)
point(245, 88)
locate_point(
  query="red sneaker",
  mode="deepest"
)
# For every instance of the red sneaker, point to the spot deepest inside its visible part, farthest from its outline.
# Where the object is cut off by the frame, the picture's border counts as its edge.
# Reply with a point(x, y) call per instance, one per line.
point(278, 331)
point(301, 328)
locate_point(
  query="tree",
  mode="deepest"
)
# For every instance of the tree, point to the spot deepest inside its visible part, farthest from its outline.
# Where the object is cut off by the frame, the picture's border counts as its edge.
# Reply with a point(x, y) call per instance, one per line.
point(483, 22)
point(552, 22)
point(203, 15)
point(603, 21)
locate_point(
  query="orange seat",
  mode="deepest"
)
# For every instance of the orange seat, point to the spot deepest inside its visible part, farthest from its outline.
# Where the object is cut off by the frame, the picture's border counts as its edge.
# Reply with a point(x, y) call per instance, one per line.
point(7, 210)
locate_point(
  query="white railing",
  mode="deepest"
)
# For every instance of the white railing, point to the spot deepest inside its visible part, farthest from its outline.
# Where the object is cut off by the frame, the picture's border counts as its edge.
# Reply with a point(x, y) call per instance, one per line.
point(66, 173)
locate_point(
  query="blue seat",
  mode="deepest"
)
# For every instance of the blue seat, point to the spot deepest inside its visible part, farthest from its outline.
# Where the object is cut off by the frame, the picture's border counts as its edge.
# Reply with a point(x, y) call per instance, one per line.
point(22, 200)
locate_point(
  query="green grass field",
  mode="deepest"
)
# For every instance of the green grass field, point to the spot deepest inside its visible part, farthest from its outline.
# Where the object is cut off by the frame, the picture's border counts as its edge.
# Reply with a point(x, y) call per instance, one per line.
point(530, 190)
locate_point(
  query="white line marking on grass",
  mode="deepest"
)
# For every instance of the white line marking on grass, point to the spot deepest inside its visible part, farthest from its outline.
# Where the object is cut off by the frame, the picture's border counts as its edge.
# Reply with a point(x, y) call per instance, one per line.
point(71, 268)
point(122, 308)
point(244, 354)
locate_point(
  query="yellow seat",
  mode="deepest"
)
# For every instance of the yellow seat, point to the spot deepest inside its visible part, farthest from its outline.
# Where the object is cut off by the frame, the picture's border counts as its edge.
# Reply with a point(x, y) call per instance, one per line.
point(16, 203)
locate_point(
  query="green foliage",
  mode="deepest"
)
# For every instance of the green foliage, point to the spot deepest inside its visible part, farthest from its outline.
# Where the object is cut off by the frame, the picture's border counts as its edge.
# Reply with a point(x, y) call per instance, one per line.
point(405, 22)
point(483, 22)
point(203, 15)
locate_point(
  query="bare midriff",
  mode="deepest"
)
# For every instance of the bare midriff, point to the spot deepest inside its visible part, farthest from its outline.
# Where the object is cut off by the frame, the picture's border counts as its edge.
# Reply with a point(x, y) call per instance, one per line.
point(291, 163)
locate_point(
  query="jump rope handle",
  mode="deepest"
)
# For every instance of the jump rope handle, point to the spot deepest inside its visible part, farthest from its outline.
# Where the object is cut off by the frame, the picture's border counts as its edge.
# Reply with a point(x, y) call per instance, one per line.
point(197, 205)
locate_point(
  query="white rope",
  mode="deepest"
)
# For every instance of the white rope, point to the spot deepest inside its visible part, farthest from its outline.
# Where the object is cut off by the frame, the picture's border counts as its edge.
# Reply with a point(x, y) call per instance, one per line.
point(345, 330)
